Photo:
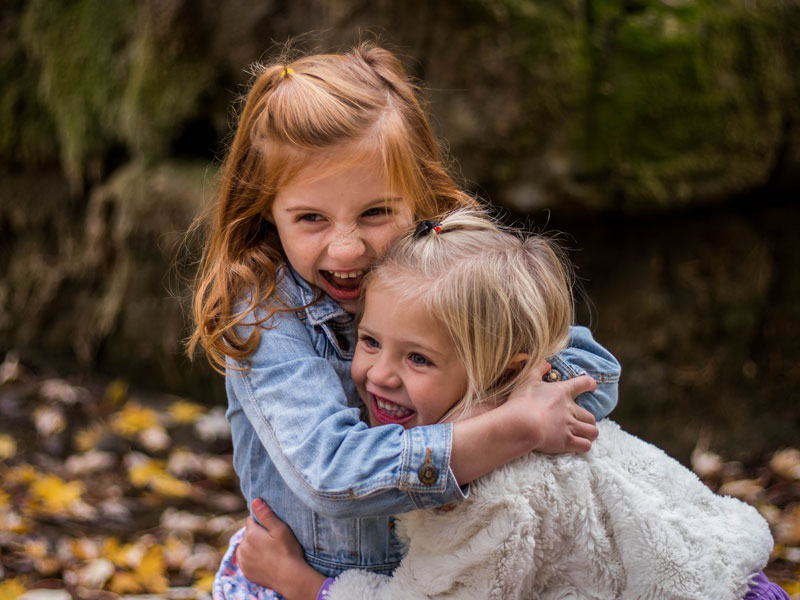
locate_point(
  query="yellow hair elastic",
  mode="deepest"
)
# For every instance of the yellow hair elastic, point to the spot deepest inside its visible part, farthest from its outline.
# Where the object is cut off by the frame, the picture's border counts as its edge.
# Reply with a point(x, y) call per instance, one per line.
point(286, 72)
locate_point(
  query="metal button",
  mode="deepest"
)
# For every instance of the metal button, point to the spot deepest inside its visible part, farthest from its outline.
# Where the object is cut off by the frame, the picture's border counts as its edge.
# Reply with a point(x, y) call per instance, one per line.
point(427, 473)
point(552, 376)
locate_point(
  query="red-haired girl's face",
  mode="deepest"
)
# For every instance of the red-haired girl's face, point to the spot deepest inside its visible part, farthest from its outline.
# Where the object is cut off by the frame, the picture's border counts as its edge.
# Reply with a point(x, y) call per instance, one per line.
point(334, 225)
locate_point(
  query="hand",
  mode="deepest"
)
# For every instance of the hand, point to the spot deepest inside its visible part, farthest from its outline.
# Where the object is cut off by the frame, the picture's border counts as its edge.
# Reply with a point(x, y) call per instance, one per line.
point(549, 412)
point(270, 556)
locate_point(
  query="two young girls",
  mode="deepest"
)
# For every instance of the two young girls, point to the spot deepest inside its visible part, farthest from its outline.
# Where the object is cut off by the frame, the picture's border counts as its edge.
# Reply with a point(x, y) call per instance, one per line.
point(453, 318)
point(332, 159)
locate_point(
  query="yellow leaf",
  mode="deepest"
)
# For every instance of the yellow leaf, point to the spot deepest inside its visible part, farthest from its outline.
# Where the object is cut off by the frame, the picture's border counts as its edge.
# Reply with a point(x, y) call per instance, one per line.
point(53, 494)
point(133, 419)
point(185, 412)
point(141, 474)
point(151, 571)
point(11, 589)
point(20, 474)
point(87, 439)
point(167, 485)
point(8, 446)
point(125, 583)
point(204, 581)
point(152, 473)
point(117, 392)
point(5, 499)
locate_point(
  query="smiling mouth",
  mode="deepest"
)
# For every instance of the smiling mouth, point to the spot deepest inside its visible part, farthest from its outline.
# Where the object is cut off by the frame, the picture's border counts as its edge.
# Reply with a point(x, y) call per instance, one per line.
point(387, 412)
point(347, 281)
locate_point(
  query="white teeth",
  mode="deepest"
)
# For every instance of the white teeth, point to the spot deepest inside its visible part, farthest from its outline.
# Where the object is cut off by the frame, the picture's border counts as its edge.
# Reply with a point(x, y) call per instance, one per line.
point(392, 409)
point(351, 275)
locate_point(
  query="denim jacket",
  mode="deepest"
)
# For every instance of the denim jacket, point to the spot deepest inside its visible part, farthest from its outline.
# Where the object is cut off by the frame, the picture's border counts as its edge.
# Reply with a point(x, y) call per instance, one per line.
point(300, 444)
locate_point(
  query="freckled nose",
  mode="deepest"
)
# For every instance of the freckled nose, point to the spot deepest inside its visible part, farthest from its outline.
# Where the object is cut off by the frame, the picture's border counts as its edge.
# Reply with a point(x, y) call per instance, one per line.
point(346, 245)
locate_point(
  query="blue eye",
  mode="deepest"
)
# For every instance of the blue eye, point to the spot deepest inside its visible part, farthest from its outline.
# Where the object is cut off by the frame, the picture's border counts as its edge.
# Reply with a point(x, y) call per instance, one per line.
point(371, 342)
point(419, 359)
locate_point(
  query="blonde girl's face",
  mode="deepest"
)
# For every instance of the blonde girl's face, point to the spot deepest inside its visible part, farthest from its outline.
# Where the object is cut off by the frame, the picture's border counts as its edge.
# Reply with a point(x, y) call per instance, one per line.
point(333, 224)
point(404, 367)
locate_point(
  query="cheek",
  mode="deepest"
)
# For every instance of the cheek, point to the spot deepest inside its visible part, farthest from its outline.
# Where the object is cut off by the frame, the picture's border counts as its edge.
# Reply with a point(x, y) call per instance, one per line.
point(358, 369)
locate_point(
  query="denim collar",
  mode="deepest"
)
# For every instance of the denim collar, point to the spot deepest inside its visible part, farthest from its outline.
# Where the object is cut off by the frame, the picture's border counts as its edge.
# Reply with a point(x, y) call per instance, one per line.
point(324, 308)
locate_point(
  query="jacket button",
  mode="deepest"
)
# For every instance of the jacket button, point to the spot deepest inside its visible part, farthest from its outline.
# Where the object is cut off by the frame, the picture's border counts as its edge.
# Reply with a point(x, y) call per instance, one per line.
point(552, 376)
point(427, 473)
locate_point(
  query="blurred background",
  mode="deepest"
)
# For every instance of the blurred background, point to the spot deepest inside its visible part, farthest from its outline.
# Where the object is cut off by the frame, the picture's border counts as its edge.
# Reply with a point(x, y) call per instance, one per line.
point(662, 136)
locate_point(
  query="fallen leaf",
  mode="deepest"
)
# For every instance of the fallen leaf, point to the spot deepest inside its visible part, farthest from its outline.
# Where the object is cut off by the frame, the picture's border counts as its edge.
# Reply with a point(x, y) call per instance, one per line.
point(8, 446)
point(10, 370)
point(787, 530)
point(87, 439)
point(58, 390)
point(96, 573)
point(213, 426)
point(53, 494)
point(133, 419)
point(11, 589)
point(184, 412)
point(151, 571)
point(786, 463)
point(204, 580)
point(22, 474)
point(154, 439)
point(89, 462)
point(125, 583)
point(117, 392)
point(49, 420)
point(749, 490)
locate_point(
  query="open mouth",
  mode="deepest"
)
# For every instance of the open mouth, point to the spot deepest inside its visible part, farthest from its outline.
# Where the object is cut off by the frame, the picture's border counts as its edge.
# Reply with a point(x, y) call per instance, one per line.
point(345, 281)
point(387, 412)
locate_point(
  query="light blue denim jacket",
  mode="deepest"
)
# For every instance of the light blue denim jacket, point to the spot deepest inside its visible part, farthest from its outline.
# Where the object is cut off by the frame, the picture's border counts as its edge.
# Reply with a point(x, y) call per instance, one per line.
point(300, 444)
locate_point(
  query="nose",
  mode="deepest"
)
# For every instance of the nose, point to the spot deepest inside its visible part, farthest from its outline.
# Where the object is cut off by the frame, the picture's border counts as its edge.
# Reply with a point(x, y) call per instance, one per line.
point(347, 245)
point(382, 373)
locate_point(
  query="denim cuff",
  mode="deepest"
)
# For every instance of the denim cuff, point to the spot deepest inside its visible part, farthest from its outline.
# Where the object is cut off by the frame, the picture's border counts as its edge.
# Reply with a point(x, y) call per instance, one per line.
point(426, 472)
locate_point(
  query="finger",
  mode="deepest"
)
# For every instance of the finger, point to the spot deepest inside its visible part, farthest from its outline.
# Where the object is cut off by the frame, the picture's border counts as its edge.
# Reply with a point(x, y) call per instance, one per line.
point(583, 415)
point(540, 369)
point(264, 515)
point(579, 444)
point(579, 385)
point(585, 431)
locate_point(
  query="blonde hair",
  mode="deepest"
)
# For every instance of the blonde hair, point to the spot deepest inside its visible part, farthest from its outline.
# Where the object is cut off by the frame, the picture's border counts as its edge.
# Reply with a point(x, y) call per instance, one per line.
point(504, 298)
point(361, 105)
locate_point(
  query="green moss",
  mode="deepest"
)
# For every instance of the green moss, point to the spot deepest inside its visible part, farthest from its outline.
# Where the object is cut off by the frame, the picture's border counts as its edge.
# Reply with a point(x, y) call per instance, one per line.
point(25, 126)
point(165, 84)
point(685, 95)
point(80, 47)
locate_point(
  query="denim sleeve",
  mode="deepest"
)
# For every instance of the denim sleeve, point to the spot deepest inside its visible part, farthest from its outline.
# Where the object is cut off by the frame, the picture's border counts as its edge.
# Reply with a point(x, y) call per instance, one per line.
point(329, 458)
point(584, 356)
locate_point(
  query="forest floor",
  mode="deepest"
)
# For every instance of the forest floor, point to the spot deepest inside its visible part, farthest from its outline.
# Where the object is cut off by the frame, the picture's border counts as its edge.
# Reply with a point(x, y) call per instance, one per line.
point(109, 492)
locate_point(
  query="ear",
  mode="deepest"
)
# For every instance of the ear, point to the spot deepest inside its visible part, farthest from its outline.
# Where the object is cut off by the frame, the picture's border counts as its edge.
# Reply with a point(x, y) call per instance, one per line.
point(517, 362)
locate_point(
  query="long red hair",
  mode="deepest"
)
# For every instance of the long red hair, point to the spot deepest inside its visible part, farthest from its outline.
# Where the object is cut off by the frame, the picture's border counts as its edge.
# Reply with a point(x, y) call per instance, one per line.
point(295, 110)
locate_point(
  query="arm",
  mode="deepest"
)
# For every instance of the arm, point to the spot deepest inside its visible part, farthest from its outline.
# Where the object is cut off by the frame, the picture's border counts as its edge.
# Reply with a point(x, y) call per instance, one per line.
point(481, 552)
point(295, 402)
point(292, 402)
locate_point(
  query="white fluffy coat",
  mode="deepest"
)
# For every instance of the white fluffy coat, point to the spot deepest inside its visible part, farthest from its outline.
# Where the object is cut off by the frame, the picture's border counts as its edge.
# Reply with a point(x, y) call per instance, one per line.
point(624, 521)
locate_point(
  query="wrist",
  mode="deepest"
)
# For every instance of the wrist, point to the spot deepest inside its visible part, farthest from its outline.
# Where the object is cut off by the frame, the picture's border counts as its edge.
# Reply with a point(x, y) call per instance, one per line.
point(306, 584)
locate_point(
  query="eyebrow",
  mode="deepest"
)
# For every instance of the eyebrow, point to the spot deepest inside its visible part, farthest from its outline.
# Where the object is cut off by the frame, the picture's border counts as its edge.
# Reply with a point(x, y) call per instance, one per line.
point(367, 205)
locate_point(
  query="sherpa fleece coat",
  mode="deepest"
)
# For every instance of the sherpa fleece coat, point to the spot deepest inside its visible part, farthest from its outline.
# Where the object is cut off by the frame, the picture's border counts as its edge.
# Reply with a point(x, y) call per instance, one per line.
point(623, 521)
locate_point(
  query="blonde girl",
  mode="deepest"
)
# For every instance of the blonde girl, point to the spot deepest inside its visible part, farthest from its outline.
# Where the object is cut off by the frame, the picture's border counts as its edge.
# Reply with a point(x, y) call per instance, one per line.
point(333, 157)
point(623, 521)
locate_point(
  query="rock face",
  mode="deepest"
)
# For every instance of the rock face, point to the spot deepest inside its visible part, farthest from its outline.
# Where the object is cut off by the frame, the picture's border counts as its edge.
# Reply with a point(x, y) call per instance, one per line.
point(663, 135)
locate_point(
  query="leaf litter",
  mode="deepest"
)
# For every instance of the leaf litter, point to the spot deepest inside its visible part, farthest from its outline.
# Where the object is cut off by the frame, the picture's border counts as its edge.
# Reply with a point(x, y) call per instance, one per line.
point(106, 493)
